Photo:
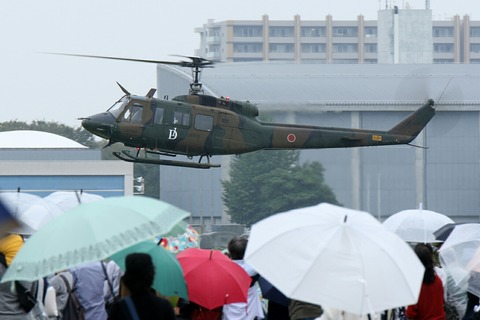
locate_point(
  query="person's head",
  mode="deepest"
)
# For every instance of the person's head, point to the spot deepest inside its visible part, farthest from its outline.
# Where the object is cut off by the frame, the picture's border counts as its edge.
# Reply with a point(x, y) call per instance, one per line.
point(236, 247)
point(425, 254)
point(139, 272)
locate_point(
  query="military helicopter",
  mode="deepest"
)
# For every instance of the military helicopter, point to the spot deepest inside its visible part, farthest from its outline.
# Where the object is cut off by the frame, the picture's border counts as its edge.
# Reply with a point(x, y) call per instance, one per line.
point(200, 125)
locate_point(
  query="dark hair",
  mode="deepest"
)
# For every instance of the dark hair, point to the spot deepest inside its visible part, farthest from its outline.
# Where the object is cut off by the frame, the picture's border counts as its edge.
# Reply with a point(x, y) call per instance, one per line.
point(139, 272)
point(236, 247)
point(425, 255)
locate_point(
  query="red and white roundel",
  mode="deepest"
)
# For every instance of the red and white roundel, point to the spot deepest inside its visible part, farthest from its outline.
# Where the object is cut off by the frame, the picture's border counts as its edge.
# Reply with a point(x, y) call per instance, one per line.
point(291, 138)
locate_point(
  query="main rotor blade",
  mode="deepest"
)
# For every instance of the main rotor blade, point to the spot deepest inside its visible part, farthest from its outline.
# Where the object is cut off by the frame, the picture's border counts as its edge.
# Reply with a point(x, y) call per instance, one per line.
point(180, 63)
point(197, 62)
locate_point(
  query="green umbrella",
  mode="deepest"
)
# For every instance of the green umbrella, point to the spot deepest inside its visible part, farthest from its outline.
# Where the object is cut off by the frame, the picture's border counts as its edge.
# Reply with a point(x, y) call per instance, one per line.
point(169, 280)
point(92, 232)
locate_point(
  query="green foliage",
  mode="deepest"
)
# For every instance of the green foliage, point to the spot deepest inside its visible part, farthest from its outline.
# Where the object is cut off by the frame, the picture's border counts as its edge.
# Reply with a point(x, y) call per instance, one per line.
point(76, 134)
point(263, 183)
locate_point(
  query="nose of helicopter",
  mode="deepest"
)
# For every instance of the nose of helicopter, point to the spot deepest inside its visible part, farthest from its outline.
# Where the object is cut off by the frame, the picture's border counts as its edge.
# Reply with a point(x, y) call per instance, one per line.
point(100, 124)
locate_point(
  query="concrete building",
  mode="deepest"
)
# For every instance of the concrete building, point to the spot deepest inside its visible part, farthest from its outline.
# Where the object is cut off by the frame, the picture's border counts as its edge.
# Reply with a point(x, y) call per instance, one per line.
point(445, 177)
point(397, 36)
point(41, 163)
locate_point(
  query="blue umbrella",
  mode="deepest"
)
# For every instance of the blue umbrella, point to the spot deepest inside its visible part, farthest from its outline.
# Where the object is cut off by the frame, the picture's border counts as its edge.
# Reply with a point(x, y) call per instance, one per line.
point(271, 293)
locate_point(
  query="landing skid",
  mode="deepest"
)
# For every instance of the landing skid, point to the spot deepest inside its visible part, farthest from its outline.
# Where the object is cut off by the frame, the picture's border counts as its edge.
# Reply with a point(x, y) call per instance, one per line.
point(126, 156)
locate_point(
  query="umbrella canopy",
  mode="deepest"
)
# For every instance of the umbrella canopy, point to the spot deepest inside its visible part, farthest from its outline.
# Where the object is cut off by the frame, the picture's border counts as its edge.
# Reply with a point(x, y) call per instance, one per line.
point(212, 278)
point(271, 293)
point(33, 211)
point(182, 236)
point(443, 233)
point(92, 232)
point(169, 280)
point(67, 200)
point(7, 221)
point(460, 255)
point(416, 225)
point(335, 257)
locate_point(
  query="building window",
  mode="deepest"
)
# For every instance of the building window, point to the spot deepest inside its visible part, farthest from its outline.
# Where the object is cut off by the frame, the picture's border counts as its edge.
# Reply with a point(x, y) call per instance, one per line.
point(281, 47)
point(370, 61)
point(345, 47)
point(475, 47)
point(313, 32)
point(475, 32)
point(370, 32)
point(443, 47)
point(247, 31)
point(442, 32)
point(345, 31)
point(370, 47)
point(442, 61)
point(281, 31)
point(313, 47)
point(475, 61)
point(247, 47)
point(345, 61)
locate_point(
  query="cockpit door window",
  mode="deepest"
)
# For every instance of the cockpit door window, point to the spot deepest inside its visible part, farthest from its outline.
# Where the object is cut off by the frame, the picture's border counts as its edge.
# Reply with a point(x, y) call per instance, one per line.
point(133, 114)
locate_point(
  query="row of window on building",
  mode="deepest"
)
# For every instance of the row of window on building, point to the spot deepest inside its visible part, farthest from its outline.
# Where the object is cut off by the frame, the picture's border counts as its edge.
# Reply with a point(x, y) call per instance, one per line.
point(322, 47)
point(319, 32)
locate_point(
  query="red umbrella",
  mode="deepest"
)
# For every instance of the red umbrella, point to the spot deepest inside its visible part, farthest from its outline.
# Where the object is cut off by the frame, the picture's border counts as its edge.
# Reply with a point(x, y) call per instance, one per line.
point(212, 278)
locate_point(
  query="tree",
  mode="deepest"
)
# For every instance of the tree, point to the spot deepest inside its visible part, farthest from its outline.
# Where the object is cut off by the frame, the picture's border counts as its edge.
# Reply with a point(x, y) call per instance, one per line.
point(263, 183)
point(79, 135)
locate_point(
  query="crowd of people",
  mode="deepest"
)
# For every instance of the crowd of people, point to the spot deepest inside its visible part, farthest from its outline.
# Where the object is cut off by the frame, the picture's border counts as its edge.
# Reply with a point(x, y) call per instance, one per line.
point(105, 292)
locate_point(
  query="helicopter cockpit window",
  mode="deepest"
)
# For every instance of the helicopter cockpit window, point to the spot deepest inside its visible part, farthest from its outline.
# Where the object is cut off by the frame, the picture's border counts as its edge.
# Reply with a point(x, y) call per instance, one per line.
point(181, 117)
point(158, 115)
point(203, 122)
point(133, 114)
point(118, 107)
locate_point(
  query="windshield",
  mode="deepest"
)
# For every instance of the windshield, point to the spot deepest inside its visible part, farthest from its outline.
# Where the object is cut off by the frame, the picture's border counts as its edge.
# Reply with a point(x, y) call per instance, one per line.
point(117, 108)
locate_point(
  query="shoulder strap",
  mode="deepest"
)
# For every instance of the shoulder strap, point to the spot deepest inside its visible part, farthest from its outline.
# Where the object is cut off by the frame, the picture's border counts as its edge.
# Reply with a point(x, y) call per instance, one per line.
point(65, 280)
point(108, 280)
point(131, 308)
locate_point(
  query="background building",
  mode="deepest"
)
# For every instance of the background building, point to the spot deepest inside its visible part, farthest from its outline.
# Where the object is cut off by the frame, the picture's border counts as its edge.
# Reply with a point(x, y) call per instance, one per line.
point(398, 36)
point(41, 163)
point(445, 177)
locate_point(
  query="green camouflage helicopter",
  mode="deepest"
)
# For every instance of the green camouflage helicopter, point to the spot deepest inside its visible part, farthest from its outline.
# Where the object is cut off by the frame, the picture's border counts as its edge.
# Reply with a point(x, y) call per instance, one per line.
point(202, 125)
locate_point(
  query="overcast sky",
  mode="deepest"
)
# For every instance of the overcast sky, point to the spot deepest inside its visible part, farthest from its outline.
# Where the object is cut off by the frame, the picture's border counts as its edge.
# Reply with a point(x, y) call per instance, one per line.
point(36, 86)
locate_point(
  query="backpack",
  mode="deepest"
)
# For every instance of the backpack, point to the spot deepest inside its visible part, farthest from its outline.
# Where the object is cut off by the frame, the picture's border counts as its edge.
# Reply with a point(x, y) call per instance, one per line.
point(73, 309)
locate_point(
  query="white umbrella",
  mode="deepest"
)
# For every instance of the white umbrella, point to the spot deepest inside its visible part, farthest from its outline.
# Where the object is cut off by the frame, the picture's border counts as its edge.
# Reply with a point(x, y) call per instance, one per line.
point(31, 210)
point(416, 225)
point(460, 255)
point(67, 200)
point(335, 257)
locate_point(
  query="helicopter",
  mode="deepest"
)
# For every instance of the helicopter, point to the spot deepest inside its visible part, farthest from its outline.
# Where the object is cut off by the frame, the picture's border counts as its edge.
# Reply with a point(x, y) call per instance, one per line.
point(201, 125)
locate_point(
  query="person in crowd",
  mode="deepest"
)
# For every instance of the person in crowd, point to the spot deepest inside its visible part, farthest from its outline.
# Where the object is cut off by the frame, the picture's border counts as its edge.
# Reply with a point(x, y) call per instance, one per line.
point(10, 307)
point(300, 310)
point(59, 285)
point(473, 300)
point(89, 282)
point(430, 301)
point(253, 308)
point(138, 296)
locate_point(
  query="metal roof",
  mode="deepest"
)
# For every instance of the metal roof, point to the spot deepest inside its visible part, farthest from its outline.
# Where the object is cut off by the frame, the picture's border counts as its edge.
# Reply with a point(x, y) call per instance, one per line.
point(281, 84)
